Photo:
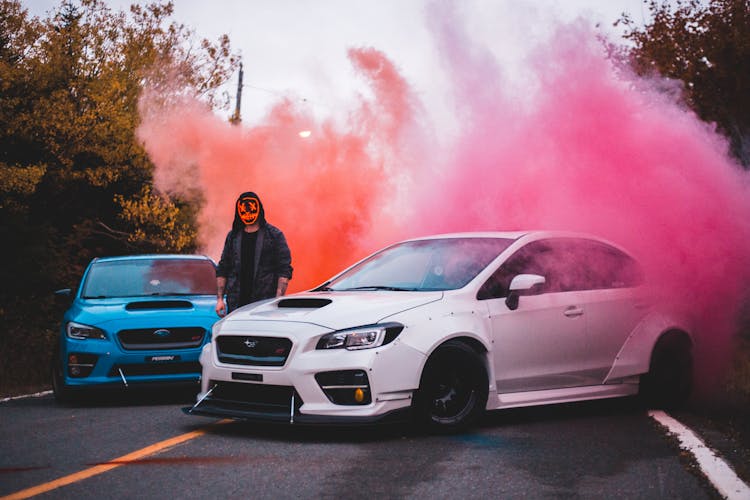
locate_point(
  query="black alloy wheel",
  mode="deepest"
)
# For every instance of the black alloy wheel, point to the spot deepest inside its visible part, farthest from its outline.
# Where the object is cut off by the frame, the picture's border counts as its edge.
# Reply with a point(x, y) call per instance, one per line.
point(453, 390)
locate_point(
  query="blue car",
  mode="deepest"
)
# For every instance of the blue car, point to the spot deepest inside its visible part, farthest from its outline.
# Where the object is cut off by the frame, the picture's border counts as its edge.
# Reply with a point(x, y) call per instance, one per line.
point(136, 320)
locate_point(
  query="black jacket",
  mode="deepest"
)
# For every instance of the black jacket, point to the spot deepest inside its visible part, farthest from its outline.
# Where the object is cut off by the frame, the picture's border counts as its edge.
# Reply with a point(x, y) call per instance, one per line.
point(272, 261)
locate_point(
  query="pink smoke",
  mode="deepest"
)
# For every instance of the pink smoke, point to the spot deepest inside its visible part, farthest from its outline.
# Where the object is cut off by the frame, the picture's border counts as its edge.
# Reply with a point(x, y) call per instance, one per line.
point(582, 149)
point(591, 151)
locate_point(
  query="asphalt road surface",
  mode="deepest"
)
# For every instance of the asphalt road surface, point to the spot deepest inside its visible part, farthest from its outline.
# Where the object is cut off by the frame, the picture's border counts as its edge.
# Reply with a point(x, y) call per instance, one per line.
point(145, 447)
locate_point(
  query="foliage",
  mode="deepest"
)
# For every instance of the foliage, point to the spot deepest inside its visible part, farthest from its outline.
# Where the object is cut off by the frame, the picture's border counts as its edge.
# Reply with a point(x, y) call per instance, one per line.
point(739, 379)
point(706, 46)
point(154, 222)
point(74, 181)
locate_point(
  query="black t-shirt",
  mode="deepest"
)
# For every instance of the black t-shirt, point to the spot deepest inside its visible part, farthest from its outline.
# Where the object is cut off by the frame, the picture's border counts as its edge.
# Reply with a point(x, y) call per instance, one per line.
point(247, 262)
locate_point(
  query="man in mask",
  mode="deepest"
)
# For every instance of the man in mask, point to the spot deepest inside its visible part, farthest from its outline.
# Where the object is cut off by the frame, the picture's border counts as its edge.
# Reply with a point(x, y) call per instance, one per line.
point(255, 262)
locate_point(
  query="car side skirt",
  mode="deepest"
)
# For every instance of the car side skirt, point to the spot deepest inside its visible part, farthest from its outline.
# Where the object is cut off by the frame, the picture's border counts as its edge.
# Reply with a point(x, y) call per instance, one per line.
point(567, 395)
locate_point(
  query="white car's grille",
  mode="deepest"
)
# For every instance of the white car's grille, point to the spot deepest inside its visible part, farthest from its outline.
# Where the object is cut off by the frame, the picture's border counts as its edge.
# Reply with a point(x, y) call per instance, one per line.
point(253, 351)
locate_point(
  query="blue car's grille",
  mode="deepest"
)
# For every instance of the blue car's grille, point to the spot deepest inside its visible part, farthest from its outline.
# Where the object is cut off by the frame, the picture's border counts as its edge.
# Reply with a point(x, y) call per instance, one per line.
point(161, 338)
point(253, 351)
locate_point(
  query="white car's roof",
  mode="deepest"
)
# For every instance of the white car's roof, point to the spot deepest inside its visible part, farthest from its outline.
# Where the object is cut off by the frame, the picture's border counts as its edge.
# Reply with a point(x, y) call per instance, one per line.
point(513, 235)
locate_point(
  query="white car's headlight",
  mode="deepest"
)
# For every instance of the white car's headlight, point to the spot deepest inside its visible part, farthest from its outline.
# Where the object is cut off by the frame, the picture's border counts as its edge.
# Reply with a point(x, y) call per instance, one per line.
point(83, 332)
point(363, 337)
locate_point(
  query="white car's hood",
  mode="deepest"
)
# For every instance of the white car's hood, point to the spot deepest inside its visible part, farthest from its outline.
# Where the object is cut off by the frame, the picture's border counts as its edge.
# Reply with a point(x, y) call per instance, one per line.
point(335, 310)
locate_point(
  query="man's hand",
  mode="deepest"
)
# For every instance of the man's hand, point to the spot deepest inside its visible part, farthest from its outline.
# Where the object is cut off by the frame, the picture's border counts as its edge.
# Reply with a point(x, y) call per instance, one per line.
point(221, 307)
point(281, 286)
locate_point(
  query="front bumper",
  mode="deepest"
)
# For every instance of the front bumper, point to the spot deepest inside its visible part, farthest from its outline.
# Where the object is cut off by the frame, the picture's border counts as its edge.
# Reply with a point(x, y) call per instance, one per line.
point(91, 363)
point(292, 394)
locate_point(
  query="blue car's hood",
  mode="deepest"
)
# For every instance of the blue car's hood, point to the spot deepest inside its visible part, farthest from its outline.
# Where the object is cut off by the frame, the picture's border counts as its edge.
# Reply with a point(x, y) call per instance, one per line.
point(143, 311)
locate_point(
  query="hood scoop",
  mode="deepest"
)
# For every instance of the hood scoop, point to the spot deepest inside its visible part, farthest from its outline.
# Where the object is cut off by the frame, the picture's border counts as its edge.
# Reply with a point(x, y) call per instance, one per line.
point(158, 304)
point(303, 303)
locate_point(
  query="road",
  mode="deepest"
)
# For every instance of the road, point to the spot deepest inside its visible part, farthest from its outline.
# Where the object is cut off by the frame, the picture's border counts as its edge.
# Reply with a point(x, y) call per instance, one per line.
point(120, 449)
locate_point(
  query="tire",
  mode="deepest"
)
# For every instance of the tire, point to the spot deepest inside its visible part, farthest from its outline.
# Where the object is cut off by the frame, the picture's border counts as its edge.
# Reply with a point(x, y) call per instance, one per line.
point(62, 392)
point(453, 389)
point(669, 381)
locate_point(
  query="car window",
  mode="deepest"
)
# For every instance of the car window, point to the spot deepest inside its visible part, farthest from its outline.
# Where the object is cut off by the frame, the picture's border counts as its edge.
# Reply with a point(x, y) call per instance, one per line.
point(535, 258)
point(607, 267)
point(568, 264)
point(149, 277)
point(435, 264)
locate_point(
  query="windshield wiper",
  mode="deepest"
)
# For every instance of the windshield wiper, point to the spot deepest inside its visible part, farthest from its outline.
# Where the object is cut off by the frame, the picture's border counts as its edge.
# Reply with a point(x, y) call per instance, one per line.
point(380, 287)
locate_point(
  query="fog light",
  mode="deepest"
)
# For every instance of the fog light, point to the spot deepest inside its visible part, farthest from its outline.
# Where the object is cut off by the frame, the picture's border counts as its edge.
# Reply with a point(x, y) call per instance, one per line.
point(359, 395)
point(345, 387)
point(81, 365)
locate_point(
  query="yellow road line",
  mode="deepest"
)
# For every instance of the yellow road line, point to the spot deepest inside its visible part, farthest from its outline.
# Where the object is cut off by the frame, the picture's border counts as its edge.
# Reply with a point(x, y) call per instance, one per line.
point(117, 462)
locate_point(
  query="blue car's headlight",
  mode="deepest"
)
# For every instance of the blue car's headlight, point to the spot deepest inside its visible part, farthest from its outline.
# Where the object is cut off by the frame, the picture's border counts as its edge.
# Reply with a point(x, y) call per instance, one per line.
point(82, 332)
point(363, 337)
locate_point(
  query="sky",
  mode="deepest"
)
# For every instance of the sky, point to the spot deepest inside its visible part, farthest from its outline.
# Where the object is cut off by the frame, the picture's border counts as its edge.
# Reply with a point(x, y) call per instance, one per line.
point(298, 48)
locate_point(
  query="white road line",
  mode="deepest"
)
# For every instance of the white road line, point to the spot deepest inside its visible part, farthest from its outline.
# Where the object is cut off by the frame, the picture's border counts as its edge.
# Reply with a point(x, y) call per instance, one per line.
point(35, 395)
point(716, 470)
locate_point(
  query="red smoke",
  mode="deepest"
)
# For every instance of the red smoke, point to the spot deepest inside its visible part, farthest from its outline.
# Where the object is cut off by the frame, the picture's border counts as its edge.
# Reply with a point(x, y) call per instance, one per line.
point(330, 193)
point(581, 149)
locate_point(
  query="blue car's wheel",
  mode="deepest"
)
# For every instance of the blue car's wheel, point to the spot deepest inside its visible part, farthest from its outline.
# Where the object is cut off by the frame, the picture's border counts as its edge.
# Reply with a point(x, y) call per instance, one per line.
point(61, 391)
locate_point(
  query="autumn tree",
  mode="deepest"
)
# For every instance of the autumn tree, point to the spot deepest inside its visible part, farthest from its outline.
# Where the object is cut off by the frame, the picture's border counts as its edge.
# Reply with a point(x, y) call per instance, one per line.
point(74, 181)
point(706, 46)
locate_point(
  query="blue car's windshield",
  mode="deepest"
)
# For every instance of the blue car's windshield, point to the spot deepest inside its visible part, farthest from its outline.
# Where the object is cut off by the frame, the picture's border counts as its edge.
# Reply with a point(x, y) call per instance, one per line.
point(437, 264)
point(148, 277)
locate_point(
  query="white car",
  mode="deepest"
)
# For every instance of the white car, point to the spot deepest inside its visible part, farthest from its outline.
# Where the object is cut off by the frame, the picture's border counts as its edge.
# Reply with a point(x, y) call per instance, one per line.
point(442, 328)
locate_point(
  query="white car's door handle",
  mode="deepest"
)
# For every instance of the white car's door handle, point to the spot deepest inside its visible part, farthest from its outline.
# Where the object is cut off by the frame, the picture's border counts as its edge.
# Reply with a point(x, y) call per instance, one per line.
point(573, 312)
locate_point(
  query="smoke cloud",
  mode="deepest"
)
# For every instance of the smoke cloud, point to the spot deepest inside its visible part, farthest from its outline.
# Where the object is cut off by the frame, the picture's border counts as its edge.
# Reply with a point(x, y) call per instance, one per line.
point(332, 193)
point(580, 147)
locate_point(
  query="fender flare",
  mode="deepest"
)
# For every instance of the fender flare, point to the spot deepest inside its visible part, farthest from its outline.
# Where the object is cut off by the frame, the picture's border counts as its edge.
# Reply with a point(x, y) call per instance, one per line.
point(634, 357)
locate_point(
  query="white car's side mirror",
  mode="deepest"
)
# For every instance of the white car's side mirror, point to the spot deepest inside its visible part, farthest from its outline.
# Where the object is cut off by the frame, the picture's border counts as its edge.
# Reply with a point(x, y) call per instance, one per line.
point(526, 282)
point(521, 283)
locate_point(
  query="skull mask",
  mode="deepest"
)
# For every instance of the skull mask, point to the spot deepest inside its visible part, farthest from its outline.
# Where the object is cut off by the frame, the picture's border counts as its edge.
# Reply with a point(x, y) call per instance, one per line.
point(248, 208)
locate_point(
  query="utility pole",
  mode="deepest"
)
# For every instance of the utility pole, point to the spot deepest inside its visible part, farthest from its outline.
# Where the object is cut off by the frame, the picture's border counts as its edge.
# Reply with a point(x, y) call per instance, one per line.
point(236, 118)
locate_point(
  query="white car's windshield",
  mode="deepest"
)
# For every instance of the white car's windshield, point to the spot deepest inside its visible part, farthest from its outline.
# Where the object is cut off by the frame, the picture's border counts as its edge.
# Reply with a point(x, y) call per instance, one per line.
point(147, 277)
point(424, 265)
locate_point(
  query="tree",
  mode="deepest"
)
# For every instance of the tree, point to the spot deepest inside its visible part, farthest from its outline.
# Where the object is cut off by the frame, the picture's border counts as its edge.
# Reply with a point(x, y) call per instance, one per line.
point(706, 46)
point(74, 181)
